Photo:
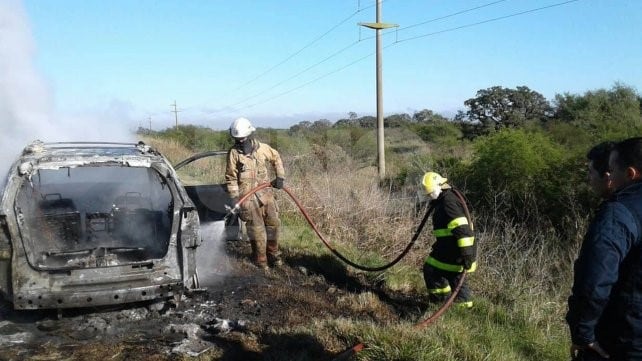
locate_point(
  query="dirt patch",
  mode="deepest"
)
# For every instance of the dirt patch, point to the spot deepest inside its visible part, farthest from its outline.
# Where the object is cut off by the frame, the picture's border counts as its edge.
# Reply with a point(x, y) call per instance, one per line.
point(240, 314)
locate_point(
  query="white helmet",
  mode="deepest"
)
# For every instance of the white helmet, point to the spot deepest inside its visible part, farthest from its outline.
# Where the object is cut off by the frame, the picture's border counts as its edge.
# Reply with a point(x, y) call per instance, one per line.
point(241, 128)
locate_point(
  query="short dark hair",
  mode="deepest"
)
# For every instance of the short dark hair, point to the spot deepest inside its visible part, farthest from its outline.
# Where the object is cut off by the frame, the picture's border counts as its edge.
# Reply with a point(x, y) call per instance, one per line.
point(599, 155)
point(629, 153)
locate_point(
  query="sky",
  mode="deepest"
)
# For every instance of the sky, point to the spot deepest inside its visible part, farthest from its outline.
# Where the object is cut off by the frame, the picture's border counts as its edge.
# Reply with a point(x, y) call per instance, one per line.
point(111, 66)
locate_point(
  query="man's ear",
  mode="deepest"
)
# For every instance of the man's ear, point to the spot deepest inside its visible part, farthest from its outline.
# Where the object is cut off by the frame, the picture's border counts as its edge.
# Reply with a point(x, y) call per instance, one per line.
point(633, 174)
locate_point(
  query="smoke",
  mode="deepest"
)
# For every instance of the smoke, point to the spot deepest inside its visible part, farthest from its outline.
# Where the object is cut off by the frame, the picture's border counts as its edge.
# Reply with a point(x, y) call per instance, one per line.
point(25, 109)
point(211, 262)
point(26, 103)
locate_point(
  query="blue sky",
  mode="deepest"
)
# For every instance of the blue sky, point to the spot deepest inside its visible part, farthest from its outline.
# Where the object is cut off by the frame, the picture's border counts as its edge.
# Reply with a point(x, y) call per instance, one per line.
point(129, 60)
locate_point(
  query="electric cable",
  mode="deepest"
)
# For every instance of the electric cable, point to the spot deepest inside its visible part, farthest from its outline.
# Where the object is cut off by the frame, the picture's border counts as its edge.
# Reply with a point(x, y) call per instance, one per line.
point(294, 76)
point(436, 19)
point(307, 83)
point(359, 9)
point(267, 89)
point(400, 41)
point(488, 20)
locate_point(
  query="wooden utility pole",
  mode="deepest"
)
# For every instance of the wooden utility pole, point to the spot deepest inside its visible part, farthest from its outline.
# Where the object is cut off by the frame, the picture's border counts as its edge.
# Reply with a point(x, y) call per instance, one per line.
point(378, 26)
point(175, 111)
point(150, 125)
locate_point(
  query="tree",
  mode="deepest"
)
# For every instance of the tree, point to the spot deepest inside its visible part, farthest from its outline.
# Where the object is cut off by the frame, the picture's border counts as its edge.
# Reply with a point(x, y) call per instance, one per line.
point(368, 121)
point(497, 107)
point(321, 125)
point(439, 132)
point(603, 114)
point(396, 120)
point(427, 116)
point(300, 126)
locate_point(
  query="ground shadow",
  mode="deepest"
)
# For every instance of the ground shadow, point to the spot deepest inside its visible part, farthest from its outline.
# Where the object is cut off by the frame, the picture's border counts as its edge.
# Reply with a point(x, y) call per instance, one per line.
point(339, 274)
point(336, 272)
point(275, 347)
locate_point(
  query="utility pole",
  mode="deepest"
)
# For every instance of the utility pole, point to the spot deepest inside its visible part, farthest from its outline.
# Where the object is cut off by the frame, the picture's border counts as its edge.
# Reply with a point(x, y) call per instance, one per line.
point(150, 125)
point(175, 111)
point(378, 26)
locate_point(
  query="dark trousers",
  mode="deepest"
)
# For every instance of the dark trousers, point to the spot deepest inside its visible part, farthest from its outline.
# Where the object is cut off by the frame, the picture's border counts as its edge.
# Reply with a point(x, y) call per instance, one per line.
point(441, 284)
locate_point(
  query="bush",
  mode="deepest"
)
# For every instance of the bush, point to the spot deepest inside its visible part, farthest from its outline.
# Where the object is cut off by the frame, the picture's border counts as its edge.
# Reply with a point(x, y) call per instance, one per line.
point(527, 177)
point(198, 138)
point(442, 132)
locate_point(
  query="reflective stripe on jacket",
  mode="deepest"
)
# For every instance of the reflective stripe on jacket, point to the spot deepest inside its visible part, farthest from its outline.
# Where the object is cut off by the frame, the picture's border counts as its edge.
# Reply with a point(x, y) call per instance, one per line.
point(453, 233)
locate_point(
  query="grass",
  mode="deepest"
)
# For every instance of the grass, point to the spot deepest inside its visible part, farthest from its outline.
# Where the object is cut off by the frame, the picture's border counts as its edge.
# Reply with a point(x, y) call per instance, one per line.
point(520, 287)
point(507, 323)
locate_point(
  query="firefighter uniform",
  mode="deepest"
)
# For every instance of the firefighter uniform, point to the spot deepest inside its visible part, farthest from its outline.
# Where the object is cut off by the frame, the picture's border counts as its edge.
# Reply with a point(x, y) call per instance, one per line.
point(454, 246)
point(245, 171)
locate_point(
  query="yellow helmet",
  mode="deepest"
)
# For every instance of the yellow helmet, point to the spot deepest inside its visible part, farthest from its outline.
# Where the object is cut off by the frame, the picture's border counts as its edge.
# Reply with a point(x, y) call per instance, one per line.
point(432, 182)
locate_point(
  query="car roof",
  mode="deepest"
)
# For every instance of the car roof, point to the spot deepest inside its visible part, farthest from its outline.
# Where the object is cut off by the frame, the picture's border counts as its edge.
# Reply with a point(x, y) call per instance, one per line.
point(45, 155)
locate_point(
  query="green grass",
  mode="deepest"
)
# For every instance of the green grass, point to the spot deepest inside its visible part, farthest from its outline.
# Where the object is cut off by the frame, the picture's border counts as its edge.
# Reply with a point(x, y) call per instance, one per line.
point(526, 328)
point(486, 332)
point(520, 288)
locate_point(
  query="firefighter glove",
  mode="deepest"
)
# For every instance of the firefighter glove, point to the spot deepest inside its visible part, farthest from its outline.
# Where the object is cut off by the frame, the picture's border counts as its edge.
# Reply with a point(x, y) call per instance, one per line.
point(278, 183)
point(467, 261)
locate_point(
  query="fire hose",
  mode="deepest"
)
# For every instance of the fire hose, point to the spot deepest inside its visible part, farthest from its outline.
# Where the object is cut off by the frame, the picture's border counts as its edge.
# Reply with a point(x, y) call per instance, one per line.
point(326, 243)
point(360, 346)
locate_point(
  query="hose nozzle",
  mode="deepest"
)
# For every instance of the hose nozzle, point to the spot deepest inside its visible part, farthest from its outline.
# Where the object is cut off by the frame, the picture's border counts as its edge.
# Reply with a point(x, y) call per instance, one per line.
point(231, 211)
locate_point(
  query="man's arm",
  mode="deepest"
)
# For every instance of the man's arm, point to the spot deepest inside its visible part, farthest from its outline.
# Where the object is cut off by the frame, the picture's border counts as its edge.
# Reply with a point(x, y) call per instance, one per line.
point(277, 163)
point(231, 174)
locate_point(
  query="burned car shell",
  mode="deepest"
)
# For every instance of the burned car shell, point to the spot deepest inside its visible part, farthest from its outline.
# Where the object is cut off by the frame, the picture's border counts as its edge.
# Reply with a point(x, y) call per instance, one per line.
point(91, 224)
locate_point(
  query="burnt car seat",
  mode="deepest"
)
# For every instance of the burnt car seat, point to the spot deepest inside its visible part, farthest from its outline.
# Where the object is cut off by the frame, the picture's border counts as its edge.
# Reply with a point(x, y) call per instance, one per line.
point(59, 218)
point(134, 220)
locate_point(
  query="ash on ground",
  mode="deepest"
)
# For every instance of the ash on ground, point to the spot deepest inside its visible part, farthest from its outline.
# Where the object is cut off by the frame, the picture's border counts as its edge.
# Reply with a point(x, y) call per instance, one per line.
point(243, 313)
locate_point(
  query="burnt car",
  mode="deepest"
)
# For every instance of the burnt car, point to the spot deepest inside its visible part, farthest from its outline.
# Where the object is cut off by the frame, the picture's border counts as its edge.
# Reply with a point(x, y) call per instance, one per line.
point(92, 224)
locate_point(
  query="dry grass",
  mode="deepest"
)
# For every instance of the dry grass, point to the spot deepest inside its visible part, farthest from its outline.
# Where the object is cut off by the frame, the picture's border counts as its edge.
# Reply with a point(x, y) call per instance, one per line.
point(520, 288)
point(210, 170)
point(365, 302)
point(171, 149)
point(348, 205)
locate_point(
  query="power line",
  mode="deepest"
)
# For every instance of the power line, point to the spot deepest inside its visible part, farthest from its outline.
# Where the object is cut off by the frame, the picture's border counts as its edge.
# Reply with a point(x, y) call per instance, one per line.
point(403, 40)
point(269, 88)
point(175, 111)
point(295, 75)
point(303, 48)
point(450, 15)
point(486, 21)
point(438, 18)
point(309, 82)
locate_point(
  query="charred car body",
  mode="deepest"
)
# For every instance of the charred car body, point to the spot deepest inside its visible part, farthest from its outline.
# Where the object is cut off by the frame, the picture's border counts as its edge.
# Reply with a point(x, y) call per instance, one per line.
point(91, 224)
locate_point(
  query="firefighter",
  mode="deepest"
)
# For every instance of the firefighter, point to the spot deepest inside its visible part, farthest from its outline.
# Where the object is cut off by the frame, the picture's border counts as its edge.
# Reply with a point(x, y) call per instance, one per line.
point(249, 163)
point(454, 250)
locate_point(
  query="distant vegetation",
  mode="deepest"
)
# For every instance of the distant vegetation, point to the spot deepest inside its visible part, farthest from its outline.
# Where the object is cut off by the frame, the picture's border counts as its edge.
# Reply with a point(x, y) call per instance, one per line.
point(519, 158)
